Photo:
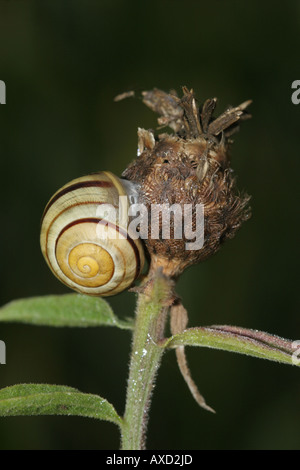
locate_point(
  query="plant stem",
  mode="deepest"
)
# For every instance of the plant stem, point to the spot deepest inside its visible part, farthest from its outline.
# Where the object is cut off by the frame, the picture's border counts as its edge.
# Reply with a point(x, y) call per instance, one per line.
point(145, 359)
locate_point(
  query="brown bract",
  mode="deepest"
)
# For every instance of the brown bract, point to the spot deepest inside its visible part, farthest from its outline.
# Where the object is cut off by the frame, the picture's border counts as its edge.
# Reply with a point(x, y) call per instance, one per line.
point(190, 166)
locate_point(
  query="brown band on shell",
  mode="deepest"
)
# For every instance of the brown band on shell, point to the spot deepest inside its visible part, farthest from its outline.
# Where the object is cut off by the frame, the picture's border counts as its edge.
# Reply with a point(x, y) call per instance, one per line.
point(74, 187)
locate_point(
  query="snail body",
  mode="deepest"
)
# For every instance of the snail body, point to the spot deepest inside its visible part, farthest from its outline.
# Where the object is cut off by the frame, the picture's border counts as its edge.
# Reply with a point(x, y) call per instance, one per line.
point(84, 235)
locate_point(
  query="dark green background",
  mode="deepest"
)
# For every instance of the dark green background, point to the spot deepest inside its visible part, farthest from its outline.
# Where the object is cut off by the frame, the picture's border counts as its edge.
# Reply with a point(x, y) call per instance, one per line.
point(63, 62)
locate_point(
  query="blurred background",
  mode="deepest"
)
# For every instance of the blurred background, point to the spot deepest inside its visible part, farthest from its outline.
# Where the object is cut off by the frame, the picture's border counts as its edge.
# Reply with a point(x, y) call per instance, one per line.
point(63, 62)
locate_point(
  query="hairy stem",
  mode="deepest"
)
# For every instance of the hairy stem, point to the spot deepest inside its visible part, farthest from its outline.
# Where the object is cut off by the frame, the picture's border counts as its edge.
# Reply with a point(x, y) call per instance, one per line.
point(151, 315)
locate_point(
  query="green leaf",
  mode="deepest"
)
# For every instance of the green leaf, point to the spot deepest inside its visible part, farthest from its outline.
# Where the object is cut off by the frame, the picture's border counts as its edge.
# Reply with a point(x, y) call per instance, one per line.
point(74, 310)
point(41, 399)
point(241, 340)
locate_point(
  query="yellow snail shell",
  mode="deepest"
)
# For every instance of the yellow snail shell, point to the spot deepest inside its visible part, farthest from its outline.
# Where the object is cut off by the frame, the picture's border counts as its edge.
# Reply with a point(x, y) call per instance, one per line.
point(87, 245)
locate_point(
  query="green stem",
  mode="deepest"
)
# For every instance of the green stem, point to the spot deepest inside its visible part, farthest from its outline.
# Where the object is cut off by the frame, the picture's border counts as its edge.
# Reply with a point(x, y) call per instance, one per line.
point(145, 359)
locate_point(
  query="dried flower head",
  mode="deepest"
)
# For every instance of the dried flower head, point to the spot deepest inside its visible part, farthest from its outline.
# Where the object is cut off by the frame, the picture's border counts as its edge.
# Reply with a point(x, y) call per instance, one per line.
point(189, 167)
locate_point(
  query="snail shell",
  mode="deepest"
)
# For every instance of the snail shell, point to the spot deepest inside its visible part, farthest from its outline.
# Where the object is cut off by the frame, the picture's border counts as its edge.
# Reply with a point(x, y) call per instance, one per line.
point(84, 235)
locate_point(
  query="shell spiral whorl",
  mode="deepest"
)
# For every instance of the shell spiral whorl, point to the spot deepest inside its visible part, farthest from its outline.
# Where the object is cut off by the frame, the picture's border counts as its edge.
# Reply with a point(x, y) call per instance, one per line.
point(84, 236)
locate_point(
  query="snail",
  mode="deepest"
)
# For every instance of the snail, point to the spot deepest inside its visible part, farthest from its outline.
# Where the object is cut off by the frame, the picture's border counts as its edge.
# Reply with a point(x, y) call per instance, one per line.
point(84, 235)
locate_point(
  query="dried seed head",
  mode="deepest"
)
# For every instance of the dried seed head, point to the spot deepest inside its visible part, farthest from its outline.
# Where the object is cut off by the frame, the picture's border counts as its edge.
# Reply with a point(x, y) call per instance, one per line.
point(190, 167)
